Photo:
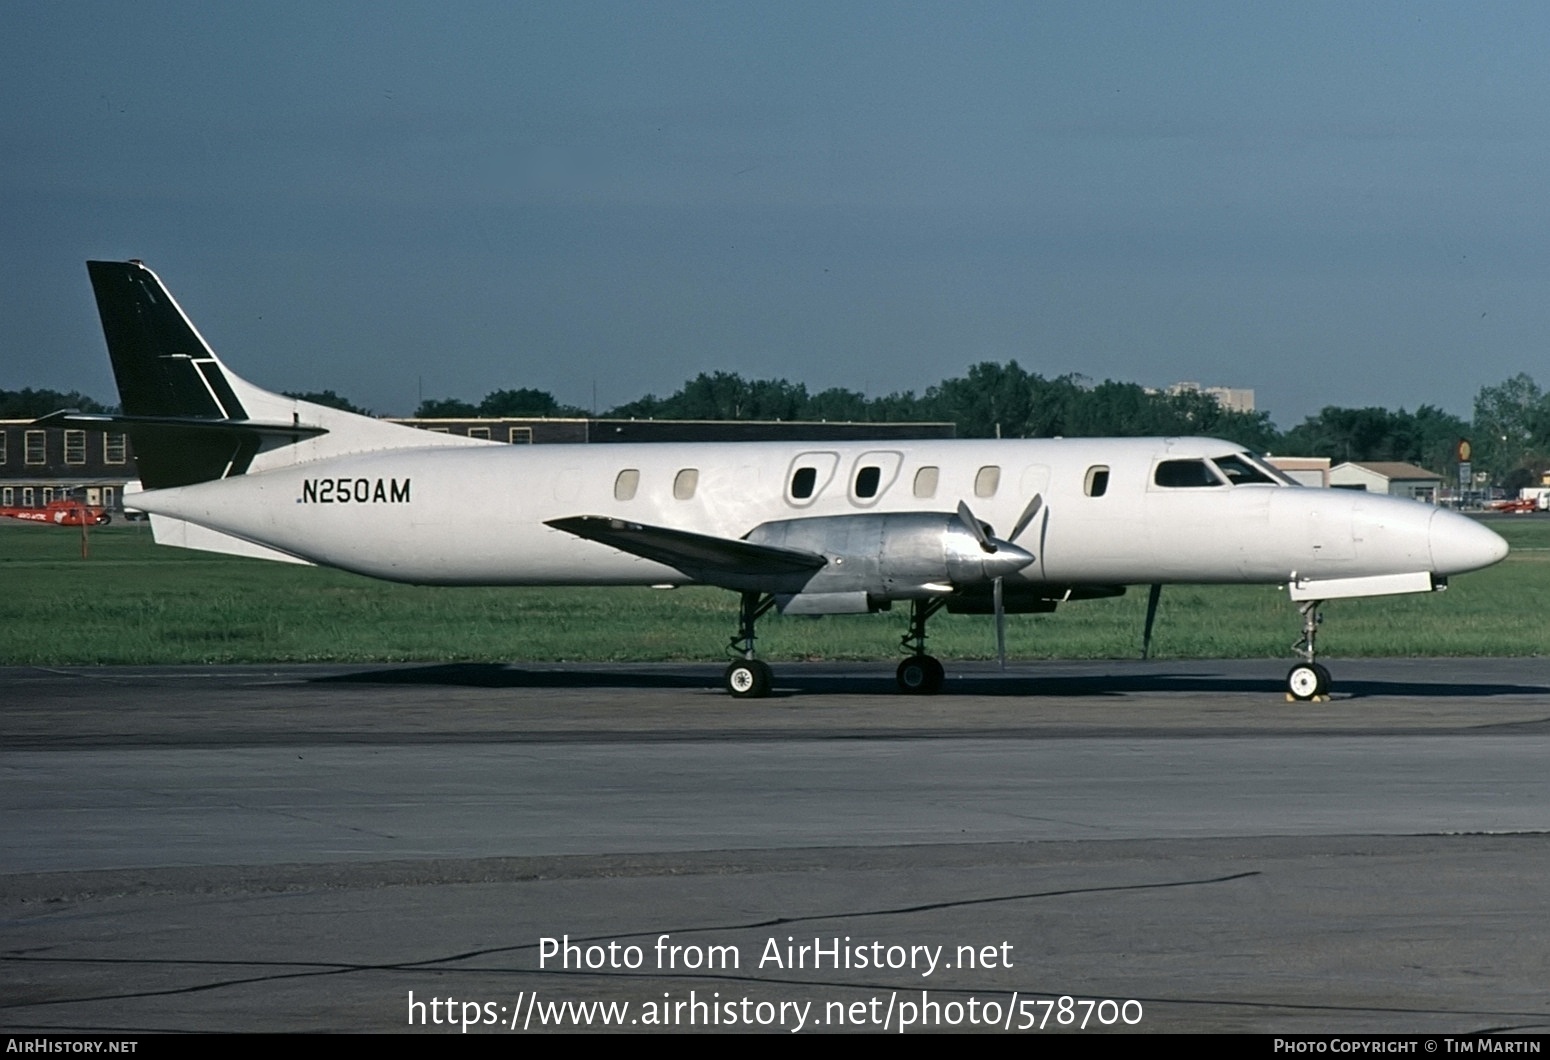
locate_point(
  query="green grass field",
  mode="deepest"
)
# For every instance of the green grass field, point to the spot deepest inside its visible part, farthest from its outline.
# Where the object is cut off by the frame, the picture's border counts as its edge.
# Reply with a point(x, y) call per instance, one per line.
point(132, 602)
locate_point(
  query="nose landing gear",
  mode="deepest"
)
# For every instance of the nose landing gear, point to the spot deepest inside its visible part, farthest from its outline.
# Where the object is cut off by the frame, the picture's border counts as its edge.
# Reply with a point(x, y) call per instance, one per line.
point(1308, 680)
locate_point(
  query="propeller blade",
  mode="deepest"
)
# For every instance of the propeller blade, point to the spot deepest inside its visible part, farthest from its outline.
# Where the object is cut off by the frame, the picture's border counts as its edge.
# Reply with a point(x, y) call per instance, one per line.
point(1029, 514)
point(1000, 622)
point(1152, 597)
point(976, 527)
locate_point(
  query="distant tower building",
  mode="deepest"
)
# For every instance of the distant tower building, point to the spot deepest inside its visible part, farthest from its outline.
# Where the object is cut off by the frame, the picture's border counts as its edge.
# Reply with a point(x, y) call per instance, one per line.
point(1231, 398)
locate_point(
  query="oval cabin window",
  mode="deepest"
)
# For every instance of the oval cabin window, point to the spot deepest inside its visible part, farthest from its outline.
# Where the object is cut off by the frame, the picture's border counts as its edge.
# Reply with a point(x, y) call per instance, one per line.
point(685, 483)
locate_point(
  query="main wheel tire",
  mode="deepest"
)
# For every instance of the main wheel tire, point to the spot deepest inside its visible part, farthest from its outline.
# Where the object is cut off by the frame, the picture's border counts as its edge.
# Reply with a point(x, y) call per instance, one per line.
point(748, 679)
point(1304, 681)
point(1325, 681)
point(920, 675)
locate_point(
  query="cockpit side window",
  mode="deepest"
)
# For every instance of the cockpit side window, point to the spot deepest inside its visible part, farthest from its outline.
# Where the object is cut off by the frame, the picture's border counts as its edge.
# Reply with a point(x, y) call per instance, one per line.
point(1185, 474)
point(1240, 472)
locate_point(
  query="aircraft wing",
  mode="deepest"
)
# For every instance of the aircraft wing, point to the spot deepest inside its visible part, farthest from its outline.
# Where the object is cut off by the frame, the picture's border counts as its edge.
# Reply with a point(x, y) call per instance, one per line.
point(722, 561)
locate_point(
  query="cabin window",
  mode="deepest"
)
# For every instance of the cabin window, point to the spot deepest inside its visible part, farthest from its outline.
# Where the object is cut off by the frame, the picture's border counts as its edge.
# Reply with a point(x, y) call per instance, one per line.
point(626, 484)
point(520, 436)
point(1184, 474)
point(75, 447)
point(479, 432)
point(867, 481)
point(987, 481)
point(1097, 482)
point(803, 480)
point(36, 443)
point(926, 480)
point(686, 482)
point(113, 451)
point(808, 475)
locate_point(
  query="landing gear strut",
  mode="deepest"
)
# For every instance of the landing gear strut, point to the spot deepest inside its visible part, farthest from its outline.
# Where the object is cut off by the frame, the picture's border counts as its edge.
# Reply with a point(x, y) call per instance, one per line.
point(1308, 679)
point(920, 674)
point(748, 677)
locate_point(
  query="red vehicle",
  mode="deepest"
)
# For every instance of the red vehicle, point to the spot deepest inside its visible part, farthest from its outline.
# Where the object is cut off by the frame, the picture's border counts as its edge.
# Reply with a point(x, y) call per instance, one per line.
point(1522, 505)
point(61, 513)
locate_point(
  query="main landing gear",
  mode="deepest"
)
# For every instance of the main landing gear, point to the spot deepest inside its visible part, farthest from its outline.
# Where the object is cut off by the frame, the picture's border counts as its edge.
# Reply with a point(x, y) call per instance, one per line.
point(1308, 679)
point(748, 677)
point(920, 674)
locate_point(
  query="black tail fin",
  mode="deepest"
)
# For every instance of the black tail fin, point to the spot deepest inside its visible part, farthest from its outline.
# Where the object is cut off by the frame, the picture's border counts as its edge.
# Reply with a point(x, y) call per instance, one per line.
point(179, 406)
point(162, 365)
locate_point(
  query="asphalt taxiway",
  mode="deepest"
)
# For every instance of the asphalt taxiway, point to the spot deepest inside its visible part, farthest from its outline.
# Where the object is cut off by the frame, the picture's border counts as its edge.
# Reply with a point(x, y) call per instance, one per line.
point(302, 848)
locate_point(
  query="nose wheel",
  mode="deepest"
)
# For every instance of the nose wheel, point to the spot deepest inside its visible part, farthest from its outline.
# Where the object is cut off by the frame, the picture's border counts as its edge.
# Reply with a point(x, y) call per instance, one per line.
point(1308, 680)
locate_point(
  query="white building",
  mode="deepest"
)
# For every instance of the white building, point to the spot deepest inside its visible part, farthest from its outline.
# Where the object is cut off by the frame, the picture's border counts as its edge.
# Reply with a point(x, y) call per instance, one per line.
point(1395, 479)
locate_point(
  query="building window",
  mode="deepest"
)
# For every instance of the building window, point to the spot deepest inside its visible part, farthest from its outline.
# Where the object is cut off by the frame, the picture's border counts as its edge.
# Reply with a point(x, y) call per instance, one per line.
point(108, 497)
point(686, 482)
point(7, 496)
point(36, 443)
point(26, 496)
point(626, 484)
point(75, 447)
point(479, 432)
point(3, 436)
point(48, 495)
point(925, 481)
point(113, 449)
point(520, 436)
point(987, 481)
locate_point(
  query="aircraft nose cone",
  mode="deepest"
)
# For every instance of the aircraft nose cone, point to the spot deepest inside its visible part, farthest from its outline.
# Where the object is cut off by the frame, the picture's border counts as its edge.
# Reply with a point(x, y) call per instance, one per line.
point(1006, 559)
point(1461, 544)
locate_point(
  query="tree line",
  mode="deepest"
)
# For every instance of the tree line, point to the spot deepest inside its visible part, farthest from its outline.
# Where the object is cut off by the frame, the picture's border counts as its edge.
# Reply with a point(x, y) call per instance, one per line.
point(1509, 432)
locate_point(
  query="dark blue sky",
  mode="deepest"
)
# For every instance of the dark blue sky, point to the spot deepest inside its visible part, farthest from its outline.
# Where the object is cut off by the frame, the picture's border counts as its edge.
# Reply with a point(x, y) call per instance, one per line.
point(1329, 203)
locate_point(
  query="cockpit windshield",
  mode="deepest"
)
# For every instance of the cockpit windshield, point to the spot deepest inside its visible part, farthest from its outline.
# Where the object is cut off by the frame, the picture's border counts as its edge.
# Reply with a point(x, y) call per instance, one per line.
point(1241, 470)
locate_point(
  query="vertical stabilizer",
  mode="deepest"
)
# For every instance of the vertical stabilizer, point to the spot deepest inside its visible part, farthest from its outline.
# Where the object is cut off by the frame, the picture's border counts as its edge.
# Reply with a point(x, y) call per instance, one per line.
point(190, 418)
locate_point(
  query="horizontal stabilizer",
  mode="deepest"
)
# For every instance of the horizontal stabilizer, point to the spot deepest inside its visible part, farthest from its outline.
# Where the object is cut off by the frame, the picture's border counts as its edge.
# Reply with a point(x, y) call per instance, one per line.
point(92, 421)
point(719, 560)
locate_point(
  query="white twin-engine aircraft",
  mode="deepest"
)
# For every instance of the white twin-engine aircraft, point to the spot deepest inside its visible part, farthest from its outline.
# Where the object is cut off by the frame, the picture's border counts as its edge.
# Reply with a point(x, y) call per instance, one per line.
point(810, 528)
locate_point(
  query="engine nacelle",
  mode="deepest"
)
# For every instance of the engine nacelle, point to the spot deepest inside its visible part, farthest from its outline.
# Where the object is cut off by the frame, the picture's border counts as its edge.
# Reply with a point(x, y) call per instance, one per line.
point(877, 558)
